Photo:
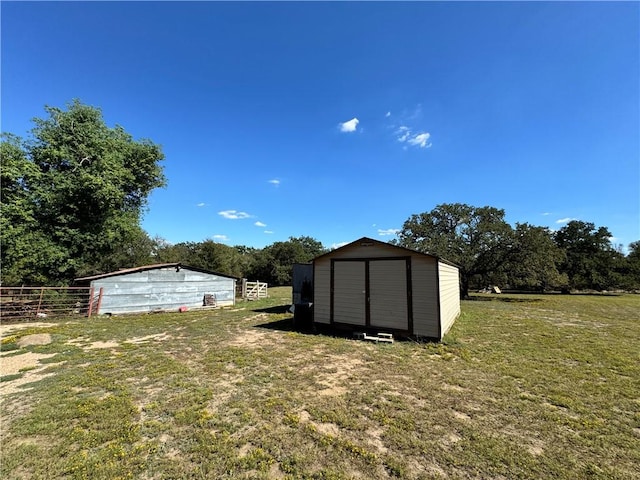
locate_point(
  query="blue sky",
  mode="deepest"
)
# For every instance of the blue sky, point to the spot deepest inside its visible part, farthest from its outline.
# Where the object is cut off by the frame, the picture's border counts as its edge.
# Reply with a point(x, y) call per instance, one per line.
point(340, 120)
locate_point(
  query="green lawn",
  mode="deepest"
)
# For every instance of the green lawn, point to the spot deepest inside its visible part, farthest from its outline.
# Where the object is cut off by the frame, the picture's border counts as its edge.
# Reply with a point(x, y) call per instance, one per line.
point(524, 386)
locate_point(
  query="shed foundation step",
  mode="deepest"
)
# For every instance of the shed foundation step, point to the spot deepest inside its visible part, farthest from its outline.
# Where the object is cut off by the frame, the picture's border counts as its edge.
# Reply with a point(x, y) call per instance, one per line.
point(381, 337)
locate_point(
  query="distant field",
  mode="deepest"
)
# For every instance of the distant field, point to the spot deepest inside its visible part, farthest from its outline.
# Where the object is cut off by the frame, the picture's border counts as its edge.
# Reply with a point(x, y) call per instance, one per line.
point(524, 386)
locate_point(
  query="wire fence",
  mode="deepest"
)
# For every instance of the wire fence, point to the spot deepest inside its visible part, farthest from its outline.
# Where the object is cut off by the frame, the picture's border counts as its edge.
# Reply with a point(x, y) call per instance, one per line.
point(20, 304)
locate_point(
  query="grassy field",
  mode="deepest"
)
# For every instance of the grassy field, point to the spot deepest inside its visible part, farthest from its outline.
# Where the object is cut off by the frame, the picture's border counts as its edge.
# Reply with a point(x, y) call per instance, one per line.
point(524, 386)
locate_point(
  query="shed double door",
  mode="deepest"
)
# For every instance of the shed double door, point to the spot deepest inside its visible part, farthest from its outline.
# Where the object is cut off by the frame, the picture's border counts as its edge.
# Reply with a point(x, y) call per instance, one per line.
point(371, 293)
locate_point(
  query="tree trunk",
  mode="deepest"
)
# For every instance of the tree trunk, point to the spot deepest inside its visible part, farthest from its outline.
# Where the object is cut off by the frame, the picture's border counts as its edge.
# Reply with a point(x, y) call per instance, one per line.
point(464, 286)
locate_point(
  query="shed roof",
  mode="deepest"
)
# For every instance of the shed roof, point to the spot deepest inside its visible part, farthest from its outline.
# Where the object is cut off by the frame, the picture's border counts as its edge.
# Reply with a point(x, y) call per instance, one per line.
point(366, 240)
point(156, 266)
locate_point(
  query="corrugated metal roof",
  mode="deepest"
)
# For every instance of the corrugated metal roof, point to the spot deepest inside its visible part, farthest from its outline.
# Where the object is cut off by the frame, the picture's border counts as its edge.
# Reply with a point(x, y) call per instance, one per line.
point(365, 240)
point(156, 266)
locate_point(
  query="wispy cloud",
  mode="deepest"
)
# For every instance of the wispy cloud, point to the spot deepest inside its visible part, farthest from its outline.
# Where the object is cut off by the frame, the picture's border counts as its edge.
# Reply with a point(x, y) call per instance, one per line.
point(388, 114)
point(404, 134)
point(416, 113)
point(221, 238)
point(268, 232)
point(201, 204)
point(388, 231)
point(546, 214)
point(564, 220)
point(349, 125)
point(233, 214)
point(420, 140)
point(275, 182)
point(338, 245)
point(260, 224)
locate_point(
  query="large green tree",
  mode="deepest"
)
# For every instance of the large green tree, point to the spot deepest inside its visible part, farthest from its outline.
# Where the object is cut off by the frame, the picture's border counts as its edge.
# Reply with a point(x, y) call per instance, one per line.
point(475, 238)
point(632, 269)
point(590, 256)
point(209, 255)
point(73, 194)
point(274, 263)
point(532, 259)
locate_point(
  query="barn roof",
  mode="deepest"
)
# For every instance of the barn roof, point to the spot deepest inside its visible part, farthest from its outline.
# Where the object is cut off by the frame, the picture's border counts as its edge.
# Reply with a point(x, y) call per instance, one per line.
point(366, 240)
point(156, 266)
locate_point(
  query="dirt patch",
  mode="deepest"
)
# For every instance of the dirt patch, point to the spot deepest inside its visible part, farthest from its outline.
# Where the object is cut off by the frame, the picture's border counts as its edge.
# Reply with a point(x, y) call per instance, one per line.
point(107, 344)
point(254, 338)
point(339, 372)
point(8, 329)
point(460, 415)
point(452, 388)
point(225, 387)
point(15, 364)
point(158, 337)
point(374, 438)
point(36, 339)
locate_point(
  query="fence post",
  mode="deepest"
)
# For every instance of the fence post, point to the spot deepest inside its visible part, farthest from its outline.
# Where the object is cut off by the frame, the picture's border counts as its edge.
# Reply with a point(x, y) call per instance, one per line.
point(40, 301)
point(90, 302)
point(99, 301)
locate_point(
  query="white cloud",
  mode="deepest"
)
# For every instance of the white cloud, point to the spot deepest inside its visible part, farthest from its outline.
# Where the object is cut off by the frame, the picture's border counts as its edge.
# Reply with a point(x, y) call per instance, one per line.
point(338, 245)
point(388, 114)
point(260, 224)
point(403, 133)
point(350, 125)
point(221, 238)
point(201, 204)
point(565, 220)
point(275, 182)
point(420, 140)
point(233, 214)
point(268, 231)
point(388, 231)
point(545, 214)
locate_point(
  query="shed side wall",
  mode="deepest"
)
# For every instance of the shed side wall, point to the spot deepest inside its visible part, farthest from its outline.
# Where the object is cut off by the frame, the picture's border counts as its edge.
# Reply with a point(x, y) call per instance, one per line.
point(322, 291)
point(162, 289)
point(449, 295)
point(425, 296)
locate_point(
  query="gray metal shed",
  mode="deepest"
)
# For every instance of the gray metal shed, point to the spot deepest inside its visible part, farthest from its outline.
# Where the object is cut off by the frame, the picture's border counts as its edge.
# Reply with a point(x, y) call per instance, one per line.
point(373, 285)
point(166, 286)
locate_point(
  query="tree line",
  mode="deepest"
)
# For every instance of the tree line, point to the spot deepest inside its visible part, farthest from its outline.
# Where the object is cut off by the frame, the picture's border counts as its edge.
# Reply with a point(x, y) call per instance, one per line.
point(489, 251)
point(73, 194)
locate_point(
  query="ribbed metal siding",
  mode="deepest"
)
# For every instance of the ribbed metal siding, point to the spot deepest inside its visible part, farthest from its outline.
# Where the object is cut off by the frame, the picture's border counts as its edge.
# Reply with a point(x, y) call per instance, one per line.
point(388, 294)
point(162, 289)
point(322, 291)
point(425, 296)
point(349, 299)
point(449, 292)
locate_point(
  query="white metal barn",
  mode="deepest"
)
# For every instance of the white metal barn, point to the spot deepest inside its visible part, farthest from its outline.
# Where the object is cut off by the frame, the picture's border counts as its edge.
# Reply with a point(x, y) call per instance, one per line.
point(166, 286)
point(377, 286)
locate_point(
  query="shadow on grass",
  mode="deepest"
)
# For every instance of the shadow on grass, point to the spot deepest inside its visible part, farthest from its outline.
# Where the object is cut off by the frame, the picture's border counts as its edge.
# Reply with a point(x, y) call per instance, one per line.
point(499, 298)
point(288, 325)
point(273, 310)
